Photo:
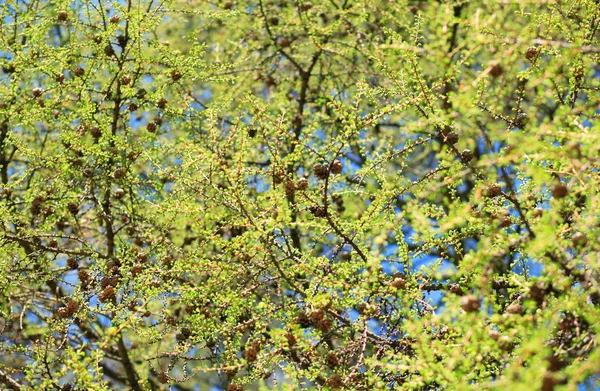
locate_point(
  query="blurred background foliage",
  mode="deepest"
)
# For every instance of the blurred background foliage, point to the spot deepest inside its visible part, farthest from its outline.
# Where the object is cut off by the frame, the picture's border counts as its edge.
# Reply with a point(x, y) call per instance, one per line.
point(235, 195)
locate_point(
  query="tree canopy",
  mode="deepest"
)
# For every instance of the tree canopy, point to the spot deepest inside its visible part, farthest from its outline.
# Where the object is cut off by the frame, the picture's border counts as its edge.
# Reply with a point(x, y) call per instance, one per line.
point(278, 194)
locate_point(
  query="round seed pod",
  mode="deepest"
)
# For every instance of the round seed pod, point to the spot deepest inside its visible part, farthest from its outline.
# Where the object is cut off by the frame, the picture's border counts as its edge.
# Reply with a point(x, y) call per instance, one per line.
point(469, 303)
point(579, 239)
point(451, 138)
point(560, 190)
point(321, 171)
point(302, 184)
point(290, 188)
point(62, 16)
point(336, 167)
point(493, 191)
point(283, 42)
point(466, 155)
point(532, 53)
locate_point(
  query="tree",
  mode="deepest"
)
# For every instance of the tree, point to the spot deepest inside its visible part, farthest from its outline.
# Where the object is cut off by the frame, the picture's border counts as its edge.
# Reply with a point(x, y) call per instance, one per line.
point(283, 194)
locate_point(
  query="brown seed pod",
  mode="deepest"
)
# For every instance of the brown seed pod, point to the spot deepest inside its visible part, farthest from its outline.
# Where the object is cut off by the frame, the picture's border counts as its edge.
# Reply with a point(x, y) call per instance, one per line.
point(291, 338)
point(109, 51)
point(332, 360)
point(560, 190)
point(84, 277)
point(72, 307)
point(302, 184)
point(362, 308)
point(113, 266)
point(336, 167)
point(318, 211)
point(72, 263)
point(235, 387)
point(469, 303)
point(79, 71)
point(303, 320)
point(125, 80)
point(36, 205)
point(151, 127)
point(105, 282)
point(335, 381)
point(250, 354)
point(163, 377)
point(306, 6)
point(114, 19)
point(132, 306)
point(162, 103)
point(136, 269)
point(532, 53)
point(451, 138)
point(567, 323)
point(514, 309)
point(324, 325)
point(494, 334)
point(549, 382)
point(456, 289)
point(321, 171)
point(175, 75)
point(466, 155)
point(316, 316)
point(493, 191)
point(62, 16)
point(167, 261)
point(63, 313)
point(186, 332)
point(132, 107)
point(108, 294)
point(278, 176)
point(142, 257)
point(73, 208)
point(37, 92)
point(505, 221)
point(230, 373)
point(538, 292)
point(496, 70)
point(537, 212)
point(398, 283)
point(95, 132)
point(122, 40)
point(273, 21)
point(290, 188)
point(119, 173)
point(579, 239)
point(184, 335)
point(228, 5)
point(60, 78)
point(555, 363)
point(119, 193)
point(283, 42)
point(270, 81)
